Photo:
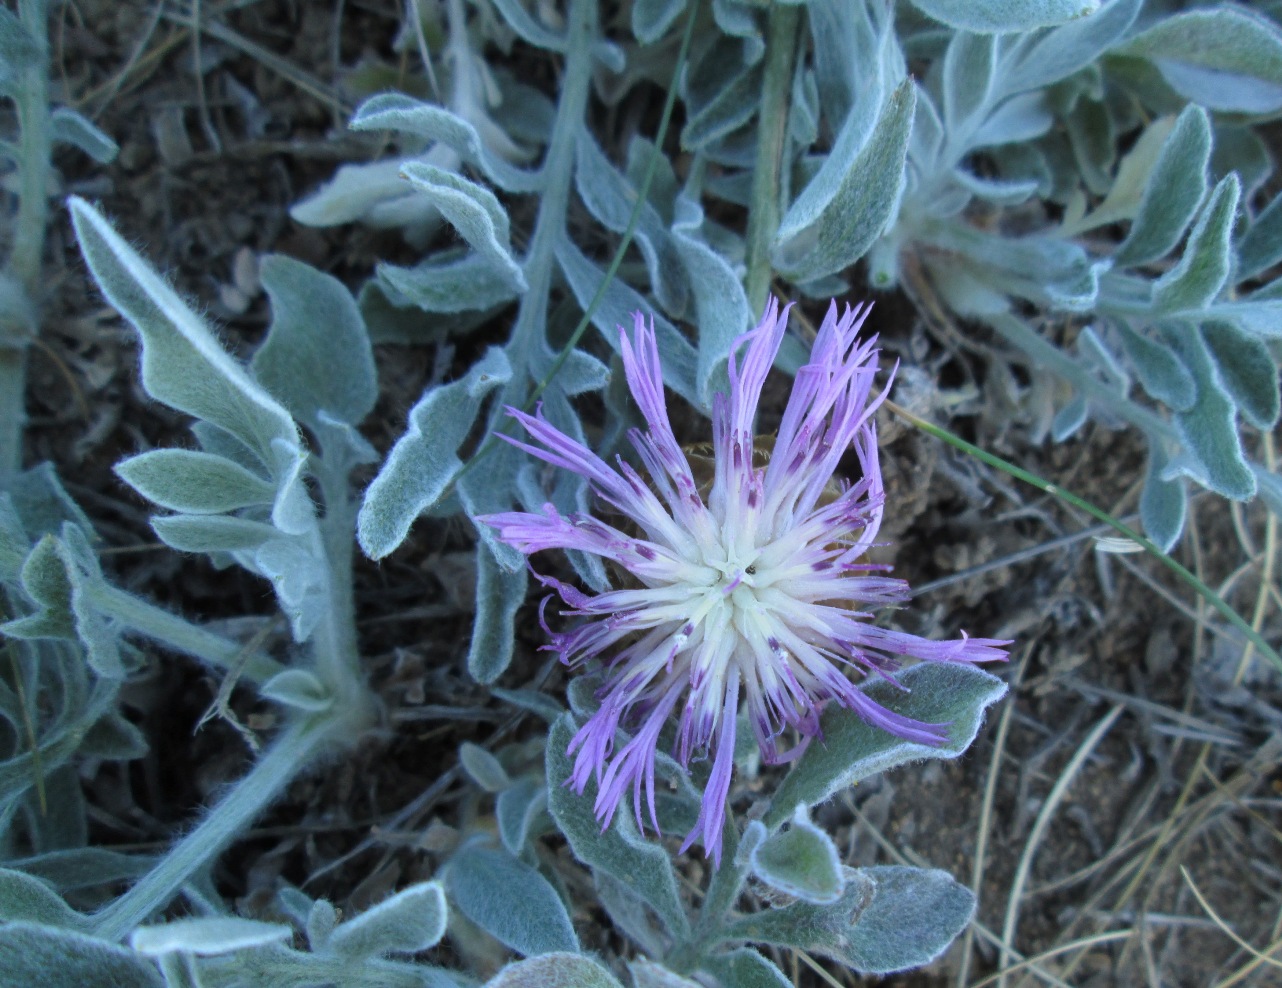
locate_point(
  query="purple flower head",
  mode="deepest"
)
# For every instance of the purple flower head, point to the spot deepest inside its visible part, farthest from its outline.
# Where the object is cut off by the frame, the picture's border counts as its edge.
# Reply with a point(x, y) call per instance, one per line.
point(751, 592)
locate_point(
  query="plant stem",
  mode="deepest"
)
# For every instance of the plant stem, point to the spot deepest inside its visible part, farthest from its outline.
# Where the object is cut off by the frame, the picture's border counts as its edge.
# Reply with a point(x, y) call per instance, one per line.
point(27, 246)
point(763, 216)
point(335, 642)
point(294, 749)
point(182, 636)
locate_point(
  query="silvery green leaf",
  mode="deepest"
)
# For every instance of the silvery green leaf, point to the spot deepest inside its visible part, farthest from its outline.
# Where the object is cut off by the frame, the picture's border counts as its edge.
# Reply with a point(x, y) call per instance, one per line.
point(618, 850)
point(299, 576)
point(822, 234)
point(1069, 419)
point(1043, 269)
point(483, 768)
point(803, 108)
point(1159, 370)
point(651, 18)
point(852, 750)
point(23, 897)
point(212, 533)
point(114, 739)
point(184, 367)
point(424, 461)
point(84, 867)
point(530, 30)
point(1173, 192)
point(1163, 503)
point(1020, 118)
point(510, 901)
point(611, 198)
point(1247, 370)
point(70, 127)
point(394, 111)
point(801, 861)
point(997, 16)
point(888, 919)
point(374, 192)
point(517, 808)
point(411, 920)
point(206, 936)
point(738, 19)
point(31, 954)
point(322, 920)
point(615, 311)
point(1209, 429)
point(535, 702)
point(193, 482)
point(1225, 58)
point(965, 293)
point(456, 284)
point(1261, 246)
point(744, 968)
point(1094, 141)
point(733, 106)
point(648, 974)
point(721, 306)
point(42, 504)
point(299, 689)
point(849, 57)
point(500, 591)
point(1001, 193)
point(967, 83)
point(1059, 53)
point(1207, 259)
point(561, 970)
point(316, 358)
point(473, 211)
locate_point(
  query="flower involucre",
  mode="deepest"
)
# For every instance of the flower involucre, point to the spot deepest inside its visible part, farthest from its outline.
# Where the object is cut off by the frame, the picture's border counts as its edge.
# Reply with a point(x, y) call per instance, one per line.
point(756, 592)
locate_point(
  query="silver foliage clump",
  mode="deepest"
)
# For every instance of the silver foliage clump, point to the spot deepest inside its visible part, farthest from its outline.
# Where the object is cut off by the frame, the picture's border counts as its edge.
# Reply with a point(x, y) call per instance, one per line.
point(1051, 170)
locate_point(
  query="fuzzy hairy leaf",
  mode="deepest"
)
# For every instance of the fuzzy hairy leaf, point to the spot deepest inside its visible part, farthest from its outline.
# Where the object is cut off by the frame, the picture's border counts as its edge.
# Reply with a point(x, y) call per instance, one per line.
point(483, 768)
point(517, 808)
point(1209, 429)
point(394, 111)
point(206, 936)
point(801, 861)
point(31, 954)
point(500, 592)
point(411, 920)
point(474, 211)
point(450, 285)
point(1207, 259)
point(1159, 370)
point(970, 62)
point(424, 460)
point(848, 203)
point(23, 897)
point(1261, 246)
point(316, 358)
point(852, 750)
point(510, 900)
point(1174, 190)
point(561, 970)
point(888, 919)
point(998, 16)
point(70, 127)
point(194, 482)
point(1247, 370)
point(299, 689)
point(184, 367)
point(1163, 503)
point(618, 850)
point(1226, 58)
point(651, 18)
point(1058, 53)
point(745, 968)
point(212, 533)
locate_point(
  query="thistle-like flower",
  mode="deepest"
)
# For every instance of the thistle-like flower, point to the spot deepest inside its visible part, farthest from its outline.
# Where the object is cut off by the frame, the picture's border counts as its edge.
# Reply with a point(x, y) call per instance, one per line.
point(754, 591)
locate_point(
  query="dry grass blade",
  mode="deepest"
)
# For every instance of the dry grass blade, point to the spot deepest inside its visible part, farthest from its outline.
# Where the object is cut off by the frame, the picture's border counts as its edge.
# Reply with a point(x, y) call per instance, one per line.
point(1053, 799)
point(1228, 930)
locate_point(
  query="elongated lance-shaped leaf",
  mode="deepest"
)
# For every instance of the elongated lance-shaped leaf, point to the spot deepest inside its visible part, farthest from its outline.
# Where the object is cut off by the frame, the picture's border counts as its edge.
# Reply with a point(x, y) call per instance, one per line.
point(618, 850)
point(184, 367)
point(424, 461)
point(1056, 54)
point(410, 921)
point(207, 935)
point(1207, 260)
point(1174, 190)
point(1001, 16)
point(815, 240)
point(852, 749)
point(509, 900)
point(194, 482)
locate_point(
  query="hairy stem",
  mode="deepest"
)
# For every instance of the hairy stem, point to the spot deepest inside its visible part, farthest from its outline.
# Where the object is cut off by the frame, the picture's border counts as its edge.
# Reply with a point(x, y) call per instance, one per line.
point(289, 753)
point(763, 218)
